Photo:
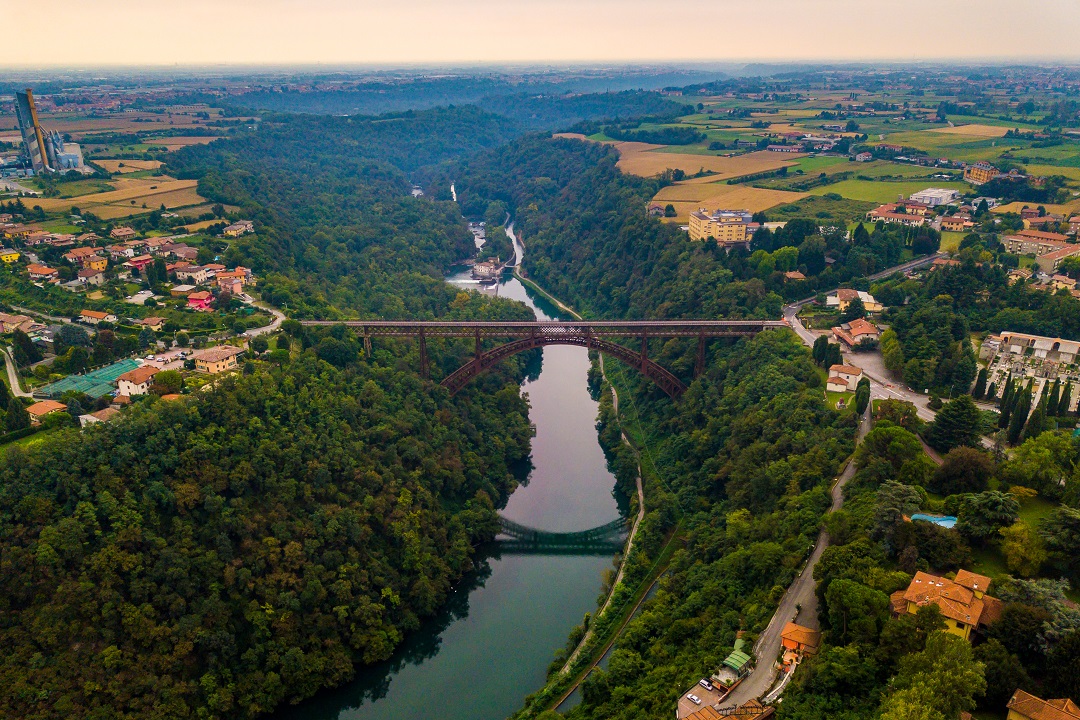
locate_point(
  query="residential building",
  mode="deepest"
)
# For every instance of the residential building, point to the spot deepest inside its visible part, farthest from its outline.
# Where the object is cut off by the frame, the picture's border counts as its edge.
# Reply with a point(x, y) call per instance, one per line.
point(1025, 706)
point(843, 297)
point(139, 262)
point(932, 197)
point(889, 213)
point(193, 274)
point(137, 381)
point(76, 255)
point(1042, 235)
point(1062, 282)
point(201, 300)
point(239, 228)
point(798, 641)
point(91, 277)
point(122, 233)
point(957, 223)
point(154, 323)
point(11, 323)
point(785, 148)
point(864, 157)
point(217, 359)
point(96, 316)
point(181, 290)
point(40, 409)
point(100, 416)
point(794, 275)
point(8, 256)
point(843, 378)
point(726, 227)
point(963, 602)
point(1074, 224)
point(857, 333)
point(1050, 262)
point(186, 253)
point(980, 173)
point(94, 262)
point(41, 273)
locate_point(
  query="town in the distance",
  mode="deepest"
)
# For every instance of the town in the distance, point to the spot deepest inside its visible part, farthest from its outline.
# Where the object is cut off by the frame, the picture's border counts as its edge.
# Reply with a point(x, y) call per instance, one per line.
point(867, 507)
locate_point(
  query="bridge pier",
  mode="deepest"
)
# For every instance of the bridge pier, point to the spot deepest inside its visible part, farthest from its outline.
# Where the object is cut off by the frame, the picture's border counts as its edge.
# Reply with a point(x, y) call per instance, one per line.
point(699, 366)
point(423, 355)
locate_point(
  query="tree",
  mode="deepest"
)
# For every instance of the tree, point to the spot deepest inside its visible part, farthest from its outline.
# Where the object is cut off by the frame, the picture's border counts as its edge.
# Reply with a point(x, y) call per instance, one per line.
point(860, 236)
point(980, 385)
point(1019, 414)
point(833, 355)
point(5, 394)
point(1066, 400)
point(17, 418)
point(1023, 549)
point(894, 502)
point(982, 516)
point(146, 336)
point(1061, 531)
point(956, 424)
point(26, 352)
point(862, 396)
point(1054, 399)
point(820, 350)
point(69, 336)
point(170, 381)
point(854, 311)
point(260, 344)
point(669, 211)
point(938, 683)
point(1037, 424)
point(991, 393)
point(963, 470)
point(1062, 668)
point(888, 442)
point(1020, 630)
point(182, 339)
point(856, 612)
point(1004, 674)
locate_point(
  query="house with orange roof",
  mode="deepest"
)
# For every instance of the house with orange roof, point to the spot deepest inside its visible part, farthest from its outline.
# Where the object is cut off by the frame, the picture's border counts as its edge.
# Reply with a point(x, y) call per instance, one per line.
point(844, 378)
point(1025, 706)
point(963, 602)
point(137, 381)
point(40, 409)
point(857, 333)
point(43, 273)
point(201, 300)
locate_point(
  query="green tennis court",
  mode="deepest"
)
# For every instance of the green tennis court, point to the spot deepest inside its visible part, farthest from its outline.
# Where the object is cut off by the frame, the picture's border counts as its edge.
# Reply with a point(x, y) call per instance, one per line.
point(96, 383)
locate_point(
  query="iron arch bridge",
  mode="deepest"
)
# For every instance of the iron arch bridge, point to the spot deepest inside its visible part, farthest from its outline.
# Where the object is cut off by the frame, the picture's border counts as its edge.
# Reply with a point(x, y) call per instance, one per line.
point(516, 337)
point(604, 539)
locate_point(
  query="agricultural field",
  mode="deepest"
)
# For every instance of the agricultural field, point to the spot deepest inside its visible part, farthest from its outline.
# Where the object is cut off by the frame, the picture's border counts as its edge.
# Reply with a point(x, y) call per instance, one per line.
point(1015, 207)
point(131, 196)
point(128, 166)
point(641, 159)
point(973, 130)
point(823, 207)
point(688, 197)
point(883, 191)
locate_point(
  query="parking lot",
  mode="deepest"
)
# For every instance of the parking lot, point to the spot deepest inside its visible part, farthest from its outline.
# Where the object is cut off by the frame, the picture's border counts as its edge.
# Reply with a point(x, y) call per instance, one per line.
point(707, 697)
point(167, 359)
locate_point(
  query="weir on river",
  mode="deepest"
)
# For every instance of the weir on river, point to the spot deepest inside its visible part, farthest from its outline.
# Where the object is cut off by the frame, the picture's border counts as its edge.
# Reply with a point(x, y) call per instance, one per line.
point(491, 644)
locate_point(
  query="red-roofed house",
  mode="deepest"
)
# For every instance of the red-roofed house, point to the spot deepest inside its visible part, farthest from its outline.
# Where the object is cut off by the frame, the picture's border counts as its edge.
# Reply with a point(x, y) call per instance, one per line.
point(137, 381)
point(963, 602)
point(857, 333)
point(200, 300)
point(1025, 706)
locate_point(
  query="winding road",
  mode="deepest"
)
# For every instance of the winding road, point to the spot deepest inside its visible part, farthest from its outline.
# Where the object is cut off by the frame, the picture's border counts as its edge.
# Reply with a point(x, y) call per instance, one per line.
point(13, 375)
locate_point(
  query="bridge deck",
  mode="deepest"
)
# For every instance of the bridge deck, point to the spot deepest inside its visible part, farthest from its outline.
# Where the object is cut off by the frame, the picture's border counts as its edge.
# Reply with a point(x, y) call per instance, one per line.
point(600, 328)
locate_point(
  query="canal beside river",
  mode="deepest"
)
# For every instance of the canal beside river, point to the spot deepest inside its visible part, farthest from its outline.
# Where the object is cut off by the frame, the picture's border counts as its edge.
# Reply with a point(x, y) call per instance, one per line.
point(491, 645)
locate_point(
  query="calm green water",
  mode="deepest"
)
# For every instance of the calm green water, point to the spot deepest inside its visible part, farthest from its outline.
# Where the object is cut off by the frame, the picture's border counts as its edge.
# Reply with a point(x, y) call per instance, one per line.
point(491, 645)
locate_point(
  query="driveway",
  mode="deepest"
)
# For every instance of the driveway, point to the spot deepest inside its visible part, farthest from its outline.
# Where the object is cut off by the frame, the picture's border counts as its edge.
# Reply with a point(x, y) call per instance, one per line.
point(13, 376)
point(799, 603)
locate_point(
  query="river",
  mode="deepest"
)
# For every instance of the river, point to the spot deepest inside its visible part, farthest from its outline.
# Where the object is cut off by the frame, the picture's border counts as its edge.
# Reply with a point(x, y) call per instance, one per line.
point(491, 645)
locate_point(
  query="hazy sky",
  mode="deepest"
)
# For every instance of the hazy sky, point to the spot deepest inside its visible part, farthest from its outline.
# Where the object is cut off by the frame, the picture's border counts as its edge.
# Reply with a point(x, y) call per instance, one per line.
point(95, 32)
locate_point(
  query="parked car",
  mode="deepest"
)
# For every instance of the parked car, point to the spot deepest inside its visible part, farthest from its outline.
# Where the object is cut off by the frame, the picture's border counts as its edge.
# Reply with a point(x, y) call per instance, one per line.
point(705, 684)
point(693, 698)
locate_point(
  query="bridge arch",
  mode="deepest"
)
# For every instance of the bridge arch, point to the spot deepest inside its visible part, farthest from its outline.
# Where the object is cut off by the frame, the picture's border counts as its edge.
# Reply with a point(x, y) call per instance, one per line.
point(663, 378)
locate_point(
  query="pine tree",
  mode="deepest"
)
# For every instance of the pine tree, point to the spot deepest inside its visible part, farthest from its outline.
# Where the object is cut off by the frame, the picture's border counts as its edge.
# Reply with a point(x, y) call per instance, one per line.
point(956, 424)
point(1006, 393)
point(1037, 424)
point(5, 395)
point(1007, 399)
point(1050, 404)
point(991, 393)
point(17, 417)
point(1019, 415)
point(1066, 400)
point(820, 349)
point(980, 385)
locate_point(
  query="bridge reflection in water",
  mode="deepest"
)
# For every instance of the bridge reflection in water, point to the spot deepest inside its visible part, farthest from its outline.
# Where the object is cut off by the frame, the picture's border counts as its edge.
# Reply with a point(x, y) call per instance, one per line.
point(605, 539)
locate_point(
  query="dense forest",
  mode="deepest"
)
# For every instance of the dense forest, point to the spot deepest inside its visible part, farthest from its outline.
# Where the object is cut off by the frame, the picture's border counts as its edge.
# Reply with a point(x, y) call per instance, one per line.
point(248, 545)
point(742, 463)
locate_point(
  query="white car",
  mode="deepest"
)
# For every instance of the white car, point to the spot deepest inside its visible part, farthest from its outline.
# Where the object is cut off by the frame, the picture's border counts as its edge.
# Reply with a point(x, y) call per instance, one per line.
point(693, 698)
point(705, 684)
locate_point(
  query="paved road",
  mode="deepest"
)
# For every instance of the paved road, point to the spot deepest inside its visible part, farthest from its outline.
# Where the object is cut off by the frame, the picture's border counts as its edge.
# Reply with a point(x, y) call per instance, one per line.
point(13, 376)
point(799, 603)
point(275, 323)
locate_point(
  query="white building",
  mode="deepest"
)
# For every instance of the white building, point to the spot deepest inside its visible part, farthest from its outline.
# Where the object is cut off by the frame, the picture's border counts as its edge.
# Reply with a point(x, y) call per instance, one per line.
point(137, 381)
point(935, 196)
point(843, 378)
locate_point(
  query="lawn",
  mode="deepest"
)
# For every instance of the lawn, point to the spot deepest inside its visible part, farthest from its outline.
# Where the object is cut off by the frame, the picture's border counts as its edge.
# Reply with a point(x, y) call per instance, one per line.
point(29, 441)
point(832, 399)
point(884, 191)
point(950, 241)
point(825, 206)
